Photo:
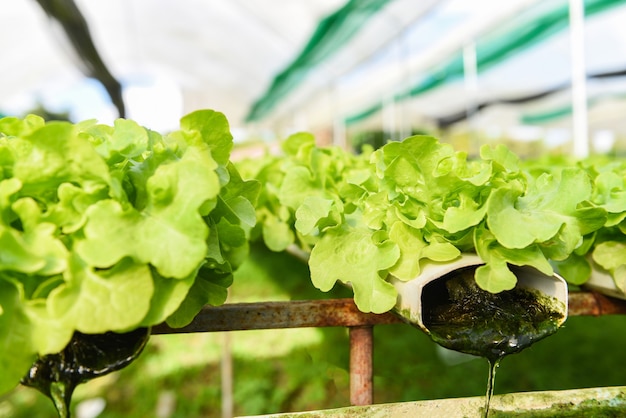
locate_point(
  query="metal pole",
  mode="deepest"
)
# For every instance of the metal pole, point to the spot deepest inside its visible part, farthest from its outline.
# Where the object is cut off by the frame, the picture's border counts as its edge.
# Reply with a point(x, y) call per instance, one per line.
point(276, 315)
point(338, 313)
point(594, 304)
point(389, 118)
point(579, 78)
point(226, 373)
point(470, 75)
point(361, 365)
point(226, 367)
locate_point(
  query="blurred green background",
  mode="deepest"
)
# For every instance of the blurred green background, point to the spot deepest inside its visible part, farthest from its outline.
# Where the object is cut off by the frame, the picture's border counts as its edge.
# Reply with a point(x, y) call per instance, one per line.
point(307, 369)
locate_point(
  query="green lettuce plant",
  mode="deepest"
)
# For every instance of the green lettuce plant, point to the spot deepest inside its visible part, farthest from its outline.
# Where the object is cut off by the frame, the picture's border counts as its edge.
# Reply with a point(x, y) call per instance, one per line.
point(363, 218)
point(112, 228)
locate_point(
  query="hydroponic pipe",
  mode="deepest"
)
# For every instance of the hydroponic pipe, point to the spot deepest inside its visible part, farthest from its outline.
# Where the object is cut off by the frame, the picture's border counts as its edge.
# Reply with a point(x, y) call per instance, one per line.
point(412, 298)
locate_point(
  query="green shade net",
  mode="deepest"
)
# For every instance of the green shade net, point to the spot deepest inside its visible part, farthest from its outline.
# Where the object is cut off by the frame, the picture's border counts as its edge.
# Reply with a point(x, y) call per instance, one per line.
point(565, 110)
point(529, 29)
point(332, 33)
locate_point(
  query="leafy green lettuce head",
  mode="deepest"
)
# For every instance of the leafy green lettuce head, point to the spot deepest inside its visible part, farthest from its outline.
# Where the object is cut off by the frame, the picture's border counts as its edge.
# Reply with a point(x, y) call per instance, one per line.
point(387, 212)
point(110, 228)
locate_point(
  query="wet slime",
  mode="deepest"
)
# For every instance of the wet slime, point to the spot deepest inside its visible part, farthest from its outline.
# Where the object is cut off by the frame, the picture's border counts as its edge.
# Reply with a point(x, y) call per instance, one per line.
point(461, 316)
point(86, 357)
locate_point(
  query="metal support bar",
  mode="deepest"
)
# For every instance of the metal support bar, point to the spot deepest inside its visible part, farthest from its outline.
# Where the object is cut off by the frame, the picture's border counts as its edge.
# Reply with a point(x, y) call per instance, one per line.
point(579, 78)
point(344, 313)
point(594, 304)
point(274, 315)
point(338, 313)
point(361, 365)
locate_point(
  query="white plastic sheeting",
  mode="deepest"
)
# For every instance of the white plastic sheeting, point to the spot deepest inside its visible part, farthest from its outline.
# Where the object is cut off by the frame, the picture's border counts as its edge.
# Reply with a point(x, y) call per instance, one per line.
point(174, 57)
point(219, 54)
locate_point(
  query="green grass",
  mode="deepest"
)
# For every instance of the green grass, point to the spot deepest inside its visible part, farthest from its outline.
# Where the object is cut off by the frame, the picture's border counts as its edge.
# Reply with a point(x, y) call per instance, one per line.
point(307, 369)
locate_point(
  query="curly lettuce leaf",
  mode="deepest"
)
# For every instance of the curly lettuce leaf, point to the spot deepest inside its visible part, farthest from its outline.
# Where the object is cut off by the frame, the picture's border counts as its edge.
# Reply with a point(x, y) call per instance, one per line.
point(312, 213)
point(549, 212)
point(16, 350)
point(169, 233)
point(105, 228)
point(209, 288)
point(123, 141)
point(576, 269)
point(93, 302)
point(358, 257)
point(214, 130)
point(495, 275)
point(277, 234)
point(611, 255)
point(56, 154)
point(609, 192)
point(414, 249)
point(468, 213)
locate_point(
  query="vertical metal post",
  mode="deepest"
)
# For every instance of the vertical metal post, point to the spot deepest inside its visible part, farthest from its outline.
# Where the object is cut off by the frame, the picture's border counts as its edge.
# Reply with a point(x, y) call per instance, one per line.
point(361, 365)
point(389, 118)
point(470, 76)
point(226, 367)
point(579, 78)
point(226, 371)
point(340, 137)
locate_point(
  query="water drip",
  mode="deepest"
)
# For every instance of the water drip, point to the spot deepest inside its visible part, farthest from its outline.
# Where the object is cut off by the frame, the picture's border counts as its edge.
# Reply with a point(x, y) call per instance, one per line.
point(461, 316)
point(446, 303)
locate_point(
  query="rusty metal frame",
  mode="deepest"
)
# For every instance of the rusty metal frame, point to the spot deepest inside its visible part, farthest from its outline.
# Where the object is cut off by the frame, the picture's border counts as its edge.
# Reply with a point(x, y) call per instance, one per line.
point(344, 313)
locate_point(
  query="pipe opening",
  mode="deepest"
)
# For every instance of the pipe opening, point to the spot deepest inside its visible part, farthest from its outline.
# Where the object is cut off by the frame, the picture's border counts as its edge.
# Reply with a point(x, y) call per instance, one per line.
point(461, 316)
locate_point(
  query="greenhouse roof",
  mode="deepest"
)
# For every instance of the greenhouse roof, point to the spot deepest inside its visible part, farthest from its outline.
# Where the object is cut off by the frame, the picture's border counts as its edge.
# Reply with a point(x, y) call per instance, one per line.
point(291, 65)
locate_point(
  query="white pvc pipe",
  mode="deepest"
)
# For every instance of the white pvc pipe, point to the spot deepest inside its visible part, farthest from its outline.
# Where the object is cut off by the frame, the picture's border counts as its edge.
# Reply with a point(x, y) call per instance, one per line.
point(470, 77)
point(226, 367)
point(389, 118)
point(470, 71)
point(410, 305)
point(339, 133)
point(579, 78)
point(340, 136)
point(226, 374)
